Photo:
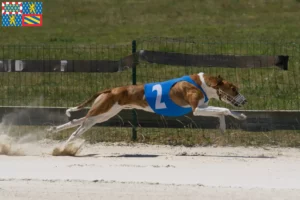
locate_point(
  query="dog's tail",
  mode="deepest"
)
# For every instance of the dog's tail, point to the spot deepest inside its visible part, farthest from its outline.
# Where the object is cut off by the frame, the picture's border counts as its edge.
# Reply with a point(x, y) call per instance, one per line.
point(85, 103)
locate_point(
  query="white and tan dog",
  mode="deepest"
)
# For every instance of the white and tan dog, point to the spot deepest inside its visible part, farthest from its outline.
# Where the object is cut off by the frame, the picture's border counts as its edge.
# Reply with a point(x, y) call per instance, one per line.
point(192, 93)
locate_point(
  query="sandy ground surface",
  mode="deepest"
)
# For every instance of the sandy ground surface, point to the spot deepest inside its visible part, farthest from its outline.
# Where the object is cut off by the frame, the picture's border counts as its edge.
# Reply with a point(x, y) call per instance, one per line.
point(120, 171)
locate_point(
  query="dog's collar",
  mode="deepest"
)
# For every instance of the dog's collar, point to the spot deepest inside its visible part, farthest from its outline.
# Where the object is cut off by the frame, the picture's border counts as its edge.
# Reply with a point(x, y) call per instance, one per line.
point(204, 85)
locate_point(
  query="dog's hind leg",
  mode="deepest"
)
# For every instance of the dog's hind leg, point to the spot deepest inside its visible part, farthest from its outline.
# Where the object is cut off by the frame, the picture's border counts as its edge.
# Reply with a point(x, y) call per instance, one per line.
point(87, 124)
point(77, 122)
point(90, 121)
point(70, 124)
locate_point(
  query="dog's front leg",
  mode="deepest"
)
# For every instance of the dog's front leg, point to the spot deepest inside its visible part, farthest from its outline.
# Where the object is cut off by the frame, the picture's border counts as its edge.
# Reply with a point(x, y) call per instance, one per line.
point(216, 111)
point(222, 123)
point(212, 111)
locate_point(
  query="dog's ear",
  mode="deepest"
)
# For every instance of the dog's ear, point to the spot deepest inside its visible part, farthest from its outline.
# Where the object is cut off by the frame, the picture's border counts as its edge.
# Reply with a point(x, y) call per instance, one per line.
point(215, 81)
point(219, 80)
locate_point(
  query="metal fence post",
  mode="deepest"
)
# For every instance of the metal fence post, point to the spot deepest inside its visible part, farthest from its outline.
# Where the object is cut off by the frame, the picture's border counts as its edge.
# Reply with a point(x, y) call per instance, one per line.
point(134, 117)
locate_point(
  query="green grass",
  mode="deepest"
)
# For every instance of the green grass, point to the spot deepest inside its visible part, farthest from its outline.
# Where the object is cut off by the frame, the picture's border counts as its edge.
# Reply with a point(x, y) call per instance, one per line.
point(72, 29)
point(269, 90)
point(77, 29)
point(265, 88)
point(118, 22)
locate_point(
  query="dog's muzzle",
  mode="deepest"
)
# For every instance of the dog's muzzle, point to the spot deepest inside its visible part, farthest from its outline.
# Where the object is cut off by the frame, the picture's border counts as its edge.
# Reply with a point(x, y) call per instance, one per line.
point(238, 101)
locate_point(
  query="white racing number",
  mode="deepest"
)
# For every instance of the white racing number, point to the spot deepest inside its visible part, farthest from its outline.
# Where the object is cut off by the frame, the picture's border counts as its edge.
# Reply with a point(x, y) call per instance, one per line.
point(158, 103)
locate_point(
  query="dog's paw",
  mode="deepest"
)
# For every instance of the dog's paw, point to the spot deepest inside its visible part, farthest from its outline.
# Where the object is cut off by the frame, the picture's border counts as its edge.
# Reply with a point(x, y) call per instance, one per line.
point(51, 129)
point(239, 116)
point(242, 117)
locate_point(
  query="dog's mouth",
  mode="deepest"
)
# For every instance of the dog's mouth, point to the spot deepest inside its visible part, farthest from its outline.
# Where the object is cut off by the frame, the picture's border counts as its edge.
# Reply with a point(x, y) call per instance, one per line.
point(237, 101)
point(240, 104)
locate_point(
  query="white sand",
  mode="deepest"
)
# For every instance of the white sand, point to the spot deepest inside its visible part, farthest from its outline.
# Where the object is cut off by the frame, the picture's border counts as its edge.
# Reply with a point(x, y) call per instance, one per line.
point(116, 171)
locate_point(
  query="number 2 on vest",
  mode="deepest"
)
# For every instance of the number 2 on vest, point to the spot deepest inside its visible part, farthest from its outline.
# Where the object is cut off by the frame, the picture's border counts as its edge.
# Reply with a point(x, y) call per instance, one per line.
point(158, 103)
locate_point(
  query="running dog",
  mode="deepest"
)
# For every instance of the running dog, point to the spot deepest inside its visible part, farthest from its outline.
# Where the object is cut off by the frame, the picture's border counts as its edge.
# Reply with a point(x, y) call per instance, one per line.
point(173, 98)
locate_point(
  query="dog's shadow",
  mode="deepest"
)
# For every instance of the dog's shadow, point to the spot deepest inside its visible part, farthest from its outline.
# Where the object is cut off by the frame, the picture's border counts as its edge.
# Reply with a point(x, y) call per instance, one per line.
point(178, 155)
point(121, 156)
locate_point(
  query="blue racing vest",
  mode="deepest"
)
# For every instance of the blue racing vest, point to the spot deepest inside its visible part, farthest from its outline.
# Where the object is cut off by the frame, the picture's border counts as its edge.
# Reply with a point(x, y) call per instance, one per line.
point(158, 98)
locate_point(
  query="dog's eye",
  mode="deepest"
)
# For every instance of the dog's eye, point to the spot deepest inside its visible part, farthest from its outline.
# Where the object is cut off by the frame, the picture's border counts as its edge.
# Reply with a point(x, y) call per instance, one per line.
point(234, 89)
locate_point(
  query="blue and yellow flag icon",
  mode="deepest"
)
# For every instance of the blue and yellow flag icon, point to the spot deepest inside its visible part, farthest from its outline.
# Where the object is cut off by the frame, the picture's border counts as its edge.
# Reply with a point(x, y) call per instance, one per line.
point(22, 13)
point(11, 20)
point(33, 8)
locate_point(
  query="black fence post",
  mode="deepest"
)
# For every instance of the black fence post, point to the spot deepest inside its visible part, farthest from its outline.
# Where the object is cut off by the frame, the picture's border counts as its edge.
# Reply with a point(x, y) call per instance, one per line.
point(134, 116)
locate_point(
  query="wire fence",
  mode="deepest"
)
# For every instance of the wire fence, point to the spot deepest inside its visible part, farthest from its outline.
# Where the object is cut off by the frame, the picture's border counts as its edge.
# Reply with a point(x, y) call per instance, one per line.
point(266, 88)
point(60, 89)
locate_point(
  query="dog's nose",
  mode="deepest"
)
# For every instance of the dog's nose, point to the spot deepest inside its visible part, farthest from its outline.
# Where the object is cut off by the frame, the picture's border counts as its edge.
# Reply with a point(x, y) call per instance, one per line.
point(245, 101)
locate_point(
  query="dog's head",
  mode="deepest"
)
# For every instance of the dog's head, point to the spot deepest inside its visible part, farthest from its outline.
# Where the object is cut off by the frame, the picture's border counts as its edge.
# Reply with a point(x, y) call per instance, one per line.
point(227, 92)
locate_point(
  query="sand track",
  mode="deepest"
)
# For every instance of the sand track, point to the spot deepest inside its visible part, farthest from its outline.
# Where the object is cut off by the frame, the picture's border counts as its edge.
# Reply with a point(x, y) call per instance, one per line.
point(114, 171)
